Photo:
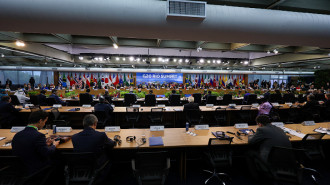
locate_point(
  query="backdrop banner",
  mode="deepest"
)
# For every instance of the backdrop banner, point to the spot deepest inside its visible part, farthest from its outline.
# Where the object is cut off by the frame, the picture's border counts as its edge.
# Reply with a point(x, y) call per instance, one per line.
point(145, 78)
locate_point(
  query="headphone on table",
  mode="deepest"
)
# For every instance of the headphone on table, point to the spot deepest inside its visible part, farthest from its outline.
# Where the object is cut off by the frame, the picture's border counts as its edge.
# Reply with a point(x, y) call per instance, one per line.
point(130, 138)
point(117, 139)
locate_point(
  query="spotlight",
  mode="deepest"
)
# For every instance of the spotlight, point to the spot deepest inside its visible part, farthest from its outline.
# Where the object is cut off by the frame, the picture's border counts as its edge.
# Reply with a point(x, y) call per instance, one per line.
point(2, 55)
point(201, 60)
point(241, 62)
point(45, 63)
point(268, 52)
point(95, 65)
point(218, 61)
point(81, 58)
point(124, 59)
point(209, 61)
point(138, 59)
point(275, 51)
point(131, 59)
point(60, 65)
point(115, 46)
point(213, 61)
point(246, 62)
point(174, 60)
point(153, 59)
point(100, 58)
point(160, 59)
point(20, 43)
point(227, 68)
point(199, 49)
point(187, 60)
point(167, 59)
point(117, 58)
point(180, 60)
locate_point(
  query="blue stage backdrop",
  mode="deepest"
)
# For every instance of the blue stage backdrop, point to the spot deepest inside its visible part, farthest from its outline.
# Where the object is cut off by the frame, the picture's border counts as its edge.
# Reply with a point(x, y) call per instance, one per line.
point(145, 78)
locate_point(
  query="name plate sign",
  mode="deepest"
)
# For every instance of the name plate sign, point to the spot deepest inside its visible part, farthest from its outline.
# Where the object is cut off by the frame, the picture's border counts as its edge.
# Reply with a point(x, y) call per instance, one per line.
point(275, 104)
point(278, 124)
point(201, 127)
point(209, 105)
point(136, 106)
point(28, 105)
point(16, 129)
point(112, 129)
point(255, 105)
point(241, 125)
point(308, 123)
point(288, 103)
point(57, 105)
point(161, 105)
point(157, 128)
point(232, 105)
point(63, 129)
point(86, 106)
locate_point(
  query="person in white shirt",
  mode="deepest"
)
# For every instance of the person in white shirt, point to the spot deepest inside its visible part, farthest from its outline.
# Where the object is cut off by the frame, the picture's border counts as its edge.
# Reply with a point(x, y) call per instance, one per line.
point(21, 96)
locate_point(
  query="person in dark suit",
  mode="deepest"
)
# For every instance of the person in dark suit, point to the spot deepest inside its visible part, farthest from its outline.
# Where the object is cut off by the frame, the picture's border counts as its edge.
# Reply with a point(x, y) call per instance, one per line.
point(31, 146)
point(57, 99)
point(267, 136)
point(267, 95)
point(107, 97)
point(87, 97)
point(174, 101)
point(207, 95)
point(8, 113)
point(103, 105)
point(90, 140)
point(32, 82)
point(311, 103)
point(42, 98)
point(327, 102)
point(190, 105)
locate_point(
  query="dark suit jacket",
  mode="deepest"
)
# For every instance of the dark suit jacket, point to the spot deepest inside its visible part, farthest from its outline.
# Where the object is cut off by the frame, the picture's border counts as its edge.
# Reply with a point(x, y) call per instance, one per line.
point(327, 104)
point(30, 145)
point(57, 99)
point(174, 99)
point(90, 140)
point(104, 107)
point(310, 105)
point(190, 106)
point(7, 113)
point(268, 136)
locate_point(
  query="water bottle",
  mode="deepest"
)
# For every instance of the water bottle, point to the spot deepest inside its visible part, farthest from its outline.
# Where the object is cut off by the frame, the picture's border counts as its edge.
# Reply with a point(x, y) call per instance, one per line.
point(54, 129)
point(187, 126)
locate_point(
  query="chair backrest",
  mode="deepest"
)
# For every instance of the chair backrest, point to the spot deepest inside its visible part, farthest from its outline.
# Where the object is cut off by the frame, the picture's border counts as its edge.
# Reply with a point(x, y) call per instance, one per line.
point(313, 137)
point(102, 117)
point(246, 107)
point(51, 101)
point(11, 171)
point(252, 98)
point(132, 109)
point(129, 99)
point(80, 167)
point(197, 98)
point(289, 97)
point(150, 100)
point(227, 99)
point(14, 100)
point(84, 99)
point(175, 100)
point(34, 99)
point(211, 100)
point(193, 116)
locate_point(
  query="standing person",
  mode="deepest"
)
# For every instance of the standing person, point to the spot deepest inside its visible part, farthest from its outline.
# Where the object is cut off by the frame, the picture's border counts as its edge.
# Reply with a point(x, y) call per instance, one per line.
point(32, 147)
point(32, 82)
point(8, 83)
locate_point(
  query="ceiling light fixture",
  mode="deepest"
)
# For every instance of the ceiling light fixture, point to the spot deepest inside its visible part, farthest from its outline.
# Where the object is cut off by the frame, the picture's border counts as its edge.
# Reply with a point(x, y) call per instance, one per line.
point(131, 59)
point(81, 58)
point(275, 51)
point(199, 49)
point(201, 60)
point(246, 62)
point(218, 61)
point(117, 58)
point(2, 55)
point(160, 59)
point(153, 59)
point(213, 61)
point(268, 52)
point(124, 59)
point(138, 59)
point(180, 60)
point(209, 61)
point(20, 43)
point(187, 60)
point(115, 46)
point(174, 60)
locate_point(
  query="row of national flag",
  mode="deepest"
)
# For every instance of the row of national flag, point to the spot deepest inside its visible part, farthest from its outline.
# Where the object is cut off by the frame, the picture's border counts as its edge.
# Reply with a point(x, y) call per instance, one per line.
point(214, 80)
point(99, 79)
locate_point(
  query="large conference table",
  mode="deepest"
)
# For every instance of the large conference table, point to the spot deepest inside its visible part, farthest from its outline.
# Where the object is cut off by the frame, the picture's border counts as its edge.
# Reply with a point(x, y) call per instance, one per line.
point(173, 138)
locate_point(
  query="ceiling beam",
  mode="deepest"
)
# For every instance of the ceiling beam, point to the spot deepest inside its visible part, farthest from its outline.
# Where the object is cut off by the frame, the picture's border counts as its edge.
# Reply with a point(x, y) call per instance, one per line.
point(65, 37)
point(287, 57)
point(235, 46)
point(114, 39)
point(272, 47)
point(158, 42)
point(276, 3)
point(305, 49)
point(13, 35)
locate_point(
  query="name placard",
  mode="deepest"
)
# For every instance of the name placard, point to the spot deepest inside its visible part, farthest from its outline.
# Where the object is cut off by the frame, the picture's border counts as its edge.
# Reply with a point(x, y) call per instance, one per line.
point(63, 129)
point(241, 125)
point(57, 105)
point(209, 105)
point(16, 129)
point(254, 105)
point(201, 127)
point(138, 106)
point(275, 104)
point(278, 124)
point(28, 105)
point(157, 128)
point(112, 129)
point(288, 103)
point(308, 123)
point(86, 106)
point(161, 105)
point(232, 105)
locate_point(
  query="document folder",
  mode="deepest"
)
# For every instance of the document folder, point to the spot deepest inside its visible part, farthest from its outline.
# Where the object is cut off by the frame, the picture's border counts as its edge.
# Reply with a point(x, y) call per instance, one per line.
point(156, 141)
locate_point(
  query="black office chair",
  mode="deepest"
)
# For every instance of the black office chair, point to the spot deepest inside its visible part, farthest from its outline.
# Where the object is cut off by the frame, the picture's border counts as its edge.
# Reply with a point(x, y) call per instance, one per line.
point(193, 116)
point(14, 100)
point(103, 118)
point(247, 115)
point(81, 168)
point(227, 99)
point(197, 98)
point(132, 115)
point(293, 114)
point(312, 146)
point(35, 108)
point(12, 172)
point(156, 116)
point(252, 98)
point(219, 157)
point(220, 116)
point(57, 119)
point(211, 100)
point(275, 98)
point(289, 97)
point(312, 114)
point(301, 98)
point(51, 101)
point(85, 99)
point(151, 167)
point(129, 99)
point(174, 100)
point(34, 99)
point(150, 100)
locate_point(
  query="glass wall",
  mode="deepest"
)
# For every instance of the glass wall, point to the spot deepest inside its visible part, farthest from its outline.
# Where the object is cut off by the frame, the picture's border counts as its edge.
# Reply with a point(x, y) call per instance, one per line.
point(22, 77)
point(272, 78)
